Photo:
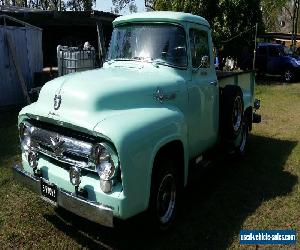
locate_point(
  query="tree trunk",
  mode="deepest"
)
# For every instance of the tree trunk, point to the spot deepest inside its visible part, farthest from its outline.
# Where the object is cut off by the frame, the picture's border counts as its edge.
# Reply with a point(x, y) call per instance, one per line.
point(293, 22)
point(296, 20)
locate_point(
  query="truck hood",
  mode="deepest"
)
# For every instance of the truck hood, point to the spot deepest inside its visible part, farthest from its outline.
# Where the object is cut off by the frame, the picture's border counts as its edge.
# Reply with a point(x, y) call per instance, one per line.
point(89, 97)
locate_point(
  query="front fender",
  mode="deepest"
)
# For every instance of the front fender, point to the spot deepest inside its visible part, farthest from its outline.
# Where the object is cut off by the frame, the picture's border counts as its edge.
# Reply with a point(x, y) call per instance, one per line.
point(138, 134)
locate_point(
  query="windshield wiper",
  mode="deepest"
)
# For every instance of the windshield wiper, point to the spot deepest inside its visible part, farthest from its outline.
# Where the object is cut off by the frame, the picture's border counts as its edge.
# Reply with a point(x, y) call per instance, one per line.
point(129, 59)
point(159, 61)
point(123, 59)
point(110, 61)
point(155, 62)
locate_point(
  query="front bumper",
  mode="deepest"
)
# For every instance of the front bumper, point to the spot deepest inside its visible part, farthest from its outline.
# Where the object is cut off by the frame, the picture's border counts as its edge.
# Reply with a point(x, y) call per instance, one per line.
point(92, 211)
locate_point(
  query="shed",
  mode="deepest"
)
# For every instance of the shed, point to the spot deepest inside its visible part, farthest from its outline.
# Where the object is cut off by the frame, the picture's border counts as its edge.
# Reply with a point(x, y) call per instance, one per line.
point(67, 28)
point(20, 56)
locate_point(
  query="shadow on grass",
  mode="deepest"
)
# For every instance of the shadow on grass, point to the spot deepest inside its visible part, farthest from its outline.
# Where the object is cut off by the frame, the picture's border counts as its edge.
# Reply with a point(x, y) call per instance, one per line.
point(272, 80)
point(9, 142)
point(214, 206)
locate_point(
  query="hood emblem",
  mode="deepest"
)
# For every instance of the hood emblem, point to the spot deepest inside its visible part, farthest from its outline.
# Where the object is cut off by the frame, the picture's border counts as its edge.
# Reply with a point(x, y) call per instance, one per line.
point(57, 146)
point(160, 96)
point(57, 101)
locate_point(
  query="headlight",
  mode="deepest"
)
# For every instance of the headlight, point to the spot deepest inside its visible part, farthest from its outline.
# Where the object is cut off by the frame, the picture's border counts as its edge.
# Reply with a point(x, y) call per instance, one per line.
point(106, 170)
point(106, 162)
point(24, 131)
point(296, 61)
point(27, 145)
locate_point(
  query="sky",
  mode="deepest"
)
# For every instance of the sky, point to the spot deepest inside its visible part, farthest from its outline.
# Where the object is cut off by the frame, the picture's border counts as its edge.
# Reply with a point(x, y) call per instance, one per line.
point(105, 5)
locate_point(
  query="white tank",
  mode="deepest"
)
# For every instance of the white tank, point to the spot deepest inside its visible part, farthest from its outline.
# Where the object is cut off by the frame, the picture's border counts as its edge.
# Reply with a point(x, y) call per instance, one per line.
point(74, 59)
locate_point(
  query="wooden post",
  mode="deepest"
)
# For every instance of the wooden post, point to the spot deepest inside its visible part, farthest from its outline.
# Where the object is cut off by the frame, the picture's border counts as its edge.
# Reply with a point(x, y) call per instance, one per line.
point(254, 54)
point(101, 46)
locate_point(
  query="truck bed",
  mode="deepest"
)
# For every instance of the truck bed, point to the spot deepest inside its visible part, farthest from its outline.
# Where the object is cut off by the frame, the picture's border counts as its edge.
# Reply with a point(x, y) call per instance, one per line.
point(244, 79)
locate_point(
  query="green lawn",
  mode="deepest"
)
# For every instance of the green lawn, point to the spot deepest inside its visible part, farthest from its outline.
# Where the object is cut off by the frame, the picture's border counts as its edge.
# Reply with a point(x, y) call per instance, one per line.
point(260, 192)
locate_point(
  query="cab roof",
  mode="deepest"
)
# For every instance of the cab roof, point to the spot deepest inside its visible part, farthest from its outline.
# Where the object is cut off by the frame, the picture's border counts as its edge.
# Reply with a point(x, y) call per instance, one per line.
point(161, 16)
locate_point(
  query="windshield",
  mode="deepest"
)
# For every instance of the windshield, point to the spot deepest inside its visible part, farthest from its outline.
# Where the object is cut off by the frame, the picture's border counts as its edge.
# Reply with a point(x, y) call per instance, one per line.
point(288, 51)
point(160, 43)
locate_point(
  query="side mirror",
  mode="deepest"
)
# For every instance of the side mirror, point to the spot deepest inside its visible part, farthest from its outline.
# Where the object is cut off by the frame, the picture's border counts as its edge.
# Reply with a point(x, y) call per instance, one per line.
point(204, 62)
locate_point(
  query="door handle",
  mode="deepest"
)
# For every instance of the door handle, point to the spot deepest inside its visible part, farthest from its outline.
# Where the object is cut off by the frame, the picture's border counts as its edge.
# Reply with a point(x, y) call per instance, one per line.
point(214, 83)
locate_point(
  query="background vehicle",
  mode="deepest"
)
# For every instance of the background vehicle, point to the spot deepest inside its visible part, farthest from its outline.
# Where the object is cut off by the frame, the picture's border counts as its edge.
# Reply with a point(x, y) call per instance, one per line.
point(272, 59)
point(117, 141)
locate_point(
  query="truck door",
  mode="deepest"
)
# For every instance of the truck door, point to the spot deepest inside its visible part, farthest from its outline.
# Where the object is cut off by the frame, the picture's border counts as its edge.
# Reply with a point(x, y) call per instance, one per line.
point(203, 91)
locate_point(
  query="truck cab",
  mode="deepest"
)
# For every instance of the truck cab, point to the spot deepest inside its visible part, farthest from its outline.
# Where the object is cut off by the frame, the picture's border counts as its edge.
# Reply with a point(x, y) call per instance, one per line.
point(117, 141)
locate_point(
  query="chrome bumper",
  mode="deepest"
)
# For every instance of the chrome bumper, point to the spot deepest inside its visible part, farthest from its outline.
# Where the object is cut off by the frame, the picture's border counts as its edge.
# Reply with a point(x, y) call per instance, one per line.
point(89, 210)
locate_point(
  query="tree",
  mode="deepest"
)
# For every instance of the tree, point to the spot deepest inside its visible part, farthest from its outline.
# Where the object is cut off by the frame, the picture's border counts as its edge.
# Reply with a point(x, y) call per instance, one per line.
point(272, 11)
point(280, 12)
point(226, 17)
point(119, 5)
point(80, 5)
point(77, 5)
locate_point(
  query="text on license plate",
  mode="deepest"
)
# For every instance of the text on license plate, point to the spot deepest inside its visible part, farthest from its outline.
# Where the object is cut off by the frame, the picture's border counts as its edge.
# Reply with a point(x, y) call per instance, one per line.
point(49, 191)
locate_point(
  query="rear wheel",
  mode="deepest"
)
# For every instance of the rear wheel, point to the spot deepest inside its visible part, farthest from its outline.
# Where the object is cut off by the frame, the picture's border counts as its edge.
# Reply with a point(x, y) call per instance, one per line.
point(242, 139)
point(231, 112)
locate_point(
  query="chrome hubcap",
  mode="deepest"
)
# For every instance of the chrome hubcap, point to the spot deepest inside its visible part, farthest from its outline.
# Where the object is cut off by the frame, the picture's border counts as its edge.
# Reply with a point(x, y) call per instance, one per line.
point(166, 199)
point(288, 75)
point(244, 139)
point(237, 113)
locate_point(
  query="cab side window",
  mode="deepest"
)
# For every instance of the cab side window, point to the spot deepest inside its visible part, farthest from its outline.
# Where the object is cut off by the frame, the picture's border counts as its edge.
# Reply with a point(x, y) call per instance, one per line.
point(199, 48)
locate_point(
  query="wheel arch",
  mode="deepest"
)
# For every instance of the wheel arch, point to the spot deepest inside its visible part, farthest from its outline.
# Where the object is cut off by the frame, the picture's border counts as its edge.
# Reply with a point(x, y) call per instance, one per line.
point(173, 148)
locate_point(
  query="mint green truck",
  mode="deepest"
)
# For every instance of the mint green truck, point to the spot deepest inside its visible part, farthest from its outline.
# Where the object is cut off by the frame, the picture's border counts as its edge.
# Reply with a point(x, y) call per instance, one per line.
point(118, 141)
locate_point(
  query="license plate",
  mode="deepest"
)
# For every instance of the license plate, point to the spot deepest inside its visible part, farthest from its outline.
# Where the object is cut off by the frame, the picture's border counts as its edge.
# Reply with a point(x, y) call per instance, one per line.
point(49, 191)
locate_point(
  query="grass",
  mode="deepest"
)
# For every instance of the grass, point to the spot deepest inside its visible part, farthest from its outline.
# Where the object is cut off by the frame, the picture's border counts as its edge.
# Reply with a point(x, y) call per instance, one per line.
point(260, 192)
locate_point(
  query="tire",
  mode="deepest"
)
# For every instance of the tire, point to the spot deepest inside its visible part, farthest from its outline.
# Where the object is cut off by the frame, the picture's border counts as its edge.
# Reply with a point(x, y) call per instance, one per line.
point(164, 195)
point(288, 75)
point(242, 139)
point(231, 111)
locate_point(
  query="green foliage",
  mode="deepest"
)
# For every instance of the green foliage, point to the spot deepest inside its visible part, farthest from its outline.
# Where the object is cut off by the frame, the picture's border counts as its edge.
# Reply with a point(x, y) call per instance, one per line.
point(119, 5)
point(226, 17)
point(80, 5)
point(271, 11)
point(76, 5)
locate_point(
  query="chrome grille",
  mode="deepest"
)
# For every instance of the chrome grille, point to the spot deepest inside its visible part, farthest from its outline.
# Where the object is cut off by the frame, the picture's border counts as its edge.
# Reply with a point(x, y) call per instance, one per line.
point(62, 148)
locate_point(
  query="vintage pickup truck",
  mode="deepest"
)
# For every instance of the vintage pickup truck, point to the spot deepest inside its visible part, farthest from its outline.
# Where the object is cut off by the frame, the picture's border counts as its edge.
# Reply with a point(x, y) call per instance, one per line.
point(117, 141)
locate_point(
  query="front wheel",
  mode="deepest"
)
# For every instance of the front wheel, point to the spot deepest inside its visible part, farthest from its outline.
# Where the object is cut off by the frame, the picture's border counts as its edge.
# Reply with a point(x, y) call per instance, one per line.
point(164, 195)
